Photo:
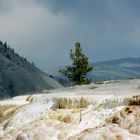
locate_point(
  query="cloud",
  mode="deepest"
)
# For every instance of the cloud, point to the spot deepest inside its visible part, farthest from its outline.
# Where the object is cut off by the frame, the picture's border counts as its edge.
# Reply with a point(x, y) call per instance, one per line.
point(45, 30)
point(58, 6)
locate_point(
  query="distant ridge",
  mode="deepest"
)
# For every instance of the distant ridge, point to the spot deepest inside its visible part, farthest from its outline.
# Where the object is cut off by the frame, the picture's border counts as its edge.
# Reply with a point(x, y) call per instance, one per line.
point(120, 60)
point(124, 68)
point(18, 76)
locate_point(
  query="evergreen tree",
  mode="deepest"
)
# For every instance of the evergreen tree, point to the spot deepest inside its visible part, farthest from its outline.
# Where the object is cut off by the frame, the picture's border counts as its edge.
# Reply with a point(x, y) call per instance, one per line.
point(78, 71)
point(5, 45)
point(1, 42)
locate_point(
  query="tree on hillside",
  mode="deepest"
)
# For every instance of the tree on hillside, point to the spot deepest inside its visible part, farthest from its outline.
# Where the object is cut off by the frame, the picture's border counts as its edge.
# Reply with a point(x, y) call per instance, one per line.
point(5, 47)
point(5, 44)
point(80, 67)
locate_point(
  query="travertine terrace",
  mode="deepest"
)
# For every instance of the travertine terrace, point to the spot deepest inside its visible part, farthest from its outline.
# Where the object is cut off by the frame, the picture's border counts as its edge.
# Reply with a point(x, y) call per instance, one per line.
point(108, 111)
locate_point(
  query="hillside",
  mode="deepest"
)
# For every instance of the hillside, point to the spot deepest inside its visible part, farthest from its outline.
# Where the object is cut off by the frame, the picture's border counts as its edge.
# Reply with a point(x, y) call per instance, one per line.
point(108, 111)
point(125, 68)
point(18, 76)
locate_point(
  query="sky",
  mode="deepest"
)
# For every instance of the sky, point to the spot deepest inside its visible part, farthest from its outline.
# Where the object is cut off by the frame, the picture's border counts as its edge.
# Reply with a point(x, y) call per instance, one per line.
point(44, 31)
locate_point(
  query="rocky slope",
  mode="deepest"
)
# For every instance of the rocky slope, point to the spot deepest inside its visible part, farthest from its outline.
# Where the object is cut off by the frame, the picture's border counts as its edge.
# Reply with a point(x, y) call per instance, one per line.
point(18, 76)
point(95, 112)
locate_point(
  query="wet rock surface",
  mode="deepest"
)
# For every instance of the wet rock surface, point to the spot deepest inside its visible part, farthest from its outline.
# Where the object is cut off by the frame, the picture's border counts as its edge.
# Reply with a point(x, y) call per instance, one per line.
point(73, 115)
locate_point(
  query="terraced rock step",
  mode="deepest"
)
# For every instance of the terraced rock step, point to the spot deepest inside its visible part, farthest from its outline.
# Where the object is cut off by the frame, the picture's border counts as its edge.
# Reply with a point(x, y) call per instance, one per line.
point(72, 114)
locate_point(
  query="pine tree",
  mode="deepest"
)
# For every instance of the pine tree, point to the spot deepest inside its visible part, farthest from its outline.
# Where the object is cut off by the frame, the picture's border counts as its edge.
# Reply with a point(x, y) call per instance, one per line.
point(5, 47)
point(5, 44)
point(78, 71)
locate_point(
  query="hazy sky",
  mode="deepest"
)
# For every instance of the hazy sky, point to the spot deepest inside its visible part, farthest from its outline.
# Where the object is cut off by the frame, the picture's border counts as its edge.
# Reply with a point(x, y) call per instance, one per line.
point(44, 31)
